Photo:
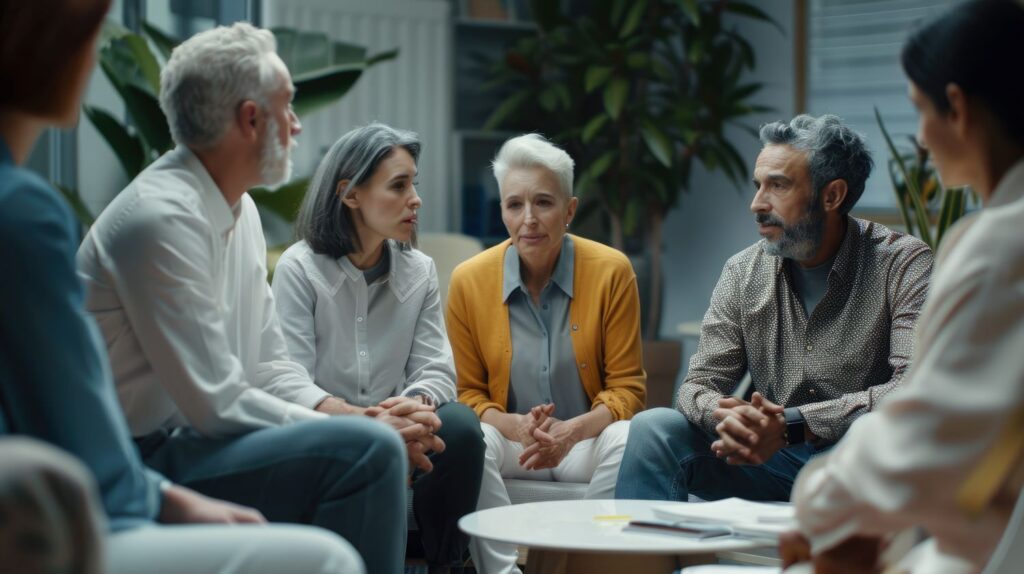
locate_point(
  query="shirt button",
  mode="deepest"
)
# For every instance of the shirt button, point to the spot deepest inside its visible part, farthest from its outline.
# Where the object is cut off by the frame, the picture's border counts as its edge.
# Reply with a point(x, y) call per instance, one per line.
point(362, 353)
point(545, 307)
point(810, 347)
point(359, 319)
point(812, 391)
point(544, 368)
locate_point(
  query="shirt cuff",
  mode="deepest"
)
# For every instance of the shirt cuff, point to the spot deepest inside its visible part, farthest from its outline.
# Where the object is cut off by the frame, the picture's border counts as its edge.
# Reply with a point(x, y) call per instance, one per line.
point(311, 397)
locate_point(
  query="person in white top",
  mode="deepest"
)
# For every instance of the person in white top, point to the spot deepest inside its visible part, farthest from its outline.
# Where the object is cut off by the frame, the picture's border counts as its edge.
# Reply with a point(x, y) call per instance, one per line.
point(176, 278)
point(361, 311)
point(944, 453)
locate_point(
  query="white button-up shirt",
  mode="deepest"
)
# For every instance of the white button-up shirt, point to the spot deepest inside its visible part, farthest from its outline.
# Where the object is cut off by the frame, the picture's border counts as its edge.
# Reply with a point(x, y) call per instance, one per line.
point(176, 279)
point(905, 464)
point(365, 343)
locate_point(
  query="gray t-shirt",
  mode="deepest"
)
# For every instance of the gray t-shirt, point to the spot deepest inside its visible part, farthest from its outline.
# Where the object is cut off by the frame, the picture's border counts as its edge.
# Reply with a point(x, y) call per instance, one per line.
point(380, 269)
point(543, 360)
point(810, 283)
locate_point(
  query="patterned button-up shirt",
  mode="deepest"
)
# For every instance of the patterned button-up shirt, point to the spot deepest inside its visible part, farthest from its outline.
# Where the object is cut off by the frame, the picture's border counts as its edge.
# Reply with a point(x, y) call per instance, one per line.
point(834, 365)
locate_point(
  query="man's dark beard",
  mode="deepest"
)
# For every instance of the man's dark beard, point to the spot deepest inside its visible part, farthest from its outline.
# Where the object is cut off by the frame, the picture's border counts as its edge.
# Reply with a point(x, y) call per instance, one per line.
point(800, 240)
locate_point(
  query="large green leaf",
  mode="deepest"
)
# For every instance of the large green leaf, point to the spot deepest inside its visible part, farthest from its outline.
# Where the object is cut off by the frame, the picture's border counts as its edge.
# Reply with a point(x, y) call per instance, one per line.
point(752, 11)
point(285, 201)
point(615, 94)
point(596, 77)
point(507, 109)
point(593, 127)
point(633, 18)
point(143, 57)
point(126, 147)
point(321, 88)
point(381, 57)
point(163, 42)
point(148, 118)
point(658, 143)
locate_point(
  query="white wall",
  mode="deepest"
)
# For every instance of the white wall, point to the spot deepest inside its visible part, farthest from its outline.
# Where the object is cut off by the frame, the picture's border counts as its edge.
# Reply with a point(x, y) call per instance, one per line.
point(713, 221)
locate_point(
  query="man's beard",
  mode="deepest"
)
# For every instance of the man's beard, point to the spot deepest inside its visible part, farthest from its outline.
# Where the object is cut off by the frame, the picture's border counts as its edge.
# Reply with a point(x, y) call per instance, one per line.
point(799, 240)
point(275, 159)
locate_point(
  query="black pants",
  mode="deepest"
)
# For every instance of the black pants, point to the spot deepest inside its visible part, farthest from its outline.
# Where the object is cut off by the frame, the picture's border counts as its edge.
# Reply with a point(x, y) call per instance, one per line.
point(444, 495)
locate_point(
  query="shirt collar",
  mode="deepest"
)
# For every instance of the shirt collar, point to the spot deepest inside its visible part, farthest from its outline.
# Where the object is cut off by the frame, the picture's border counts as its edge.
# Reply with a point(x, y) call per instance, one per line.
point(222, 215)
point(402, 278)
point(562, 275)
point(843, 263)
point(1010, 188)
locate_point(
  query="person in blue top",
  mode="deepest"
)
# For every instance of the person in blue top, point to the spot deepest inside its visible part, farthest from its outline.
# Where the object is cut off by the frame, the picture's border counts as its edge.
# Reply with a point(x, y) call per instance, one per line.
point(56, 390)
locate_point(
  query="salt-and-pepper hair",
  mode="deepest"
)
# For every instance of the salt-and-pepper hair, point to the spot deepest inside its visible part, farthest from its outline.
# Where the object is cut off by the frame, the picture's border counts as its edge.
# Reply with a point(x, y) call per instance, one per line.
point(834, 151)
point(534, 150)
point(324, 221)
point(209, 75)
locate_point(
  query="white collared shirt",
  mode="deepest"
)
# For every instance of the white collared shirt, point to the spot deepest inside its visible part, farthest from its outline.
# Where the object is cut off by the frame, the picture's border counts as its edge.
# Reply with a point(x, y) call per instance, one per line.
point(905, 464)
point(176, 279)
point(365, 343)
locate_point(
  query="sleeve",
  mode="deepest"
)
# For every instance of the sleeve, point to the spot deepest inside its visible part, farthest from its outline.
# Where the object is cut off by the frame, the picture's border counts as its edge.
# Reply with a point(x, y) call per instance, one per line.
point(830, 420)
point(430, 368)
point(277, 372)
point(163, 265)
point(470, 368)
point(295, 297)
point(625, 388)
point(720, 361)
point(903, 464)
point(55, 383)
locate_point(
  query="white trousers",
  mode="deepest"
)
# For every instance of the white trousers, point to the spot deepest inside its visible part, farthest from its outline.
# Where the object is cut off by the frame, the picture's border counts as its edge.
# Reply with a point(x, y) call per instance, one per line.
point(53, 522)
point(594, 461)
point(248, 549)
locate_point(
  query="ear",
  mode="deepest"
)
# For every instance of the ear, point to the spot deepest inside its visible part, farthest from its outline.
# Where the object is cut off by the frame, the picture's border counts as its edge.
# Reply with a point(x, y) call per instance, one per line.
point(350, 200)
point(248, 120)
point(959, 112)
point(573, 204)
point(833, 195)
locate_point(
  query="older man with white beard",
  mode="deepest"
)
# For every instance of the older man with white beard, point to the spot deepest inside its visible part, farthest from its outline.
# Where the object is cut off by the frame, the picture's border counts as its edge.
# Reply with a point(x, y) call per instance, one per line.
point(821, 312)
point(176, 278)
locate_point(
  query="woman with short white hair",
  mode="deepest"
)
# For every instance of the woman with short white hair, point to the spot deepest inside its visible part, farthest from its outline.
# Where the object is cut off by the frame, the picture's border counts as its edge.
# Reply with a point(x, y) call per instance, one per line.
point(545, 328)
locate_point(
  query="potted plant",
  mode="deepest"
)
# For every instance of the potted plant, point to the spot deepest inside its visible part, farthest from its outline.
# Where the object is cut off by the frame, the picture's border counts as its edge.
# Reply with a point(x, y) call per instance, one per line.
point(638, 92)
point(919, 192)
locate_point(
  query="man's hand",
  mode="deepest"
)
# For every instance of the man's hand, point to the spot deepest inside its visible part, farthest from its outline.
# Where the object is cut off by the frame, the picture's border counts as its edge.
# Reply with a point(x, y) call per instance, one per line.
point(335, 406)
point(184, 506)
point(417, 424)
point(750, 433)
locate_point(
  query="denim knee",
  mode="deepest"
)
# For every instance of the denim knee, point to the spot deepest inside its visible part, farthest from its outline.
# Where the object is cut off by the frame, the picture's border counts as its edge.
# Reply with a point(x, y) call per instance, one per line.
point(664, 427)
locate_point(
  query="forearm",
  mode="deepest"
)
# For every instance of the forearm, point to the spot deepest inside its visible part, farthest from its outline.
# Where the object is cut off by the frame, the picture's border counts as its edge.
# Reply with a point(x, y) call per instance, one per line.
point(506, 423)
point(591, 424)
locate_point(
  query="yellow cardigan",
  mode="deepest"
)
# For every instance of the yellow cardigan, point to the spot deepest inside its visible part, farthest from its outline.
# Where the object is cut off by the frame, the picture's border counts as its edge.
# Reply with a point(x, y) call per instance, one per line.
point(605, 324)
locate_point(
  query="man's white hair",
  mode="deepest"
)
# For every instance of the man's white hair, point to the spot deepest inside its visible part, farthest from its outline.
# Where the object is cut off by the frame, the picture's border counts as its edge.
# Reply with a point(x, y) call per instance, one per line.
point(533, 150)
point(209, 75)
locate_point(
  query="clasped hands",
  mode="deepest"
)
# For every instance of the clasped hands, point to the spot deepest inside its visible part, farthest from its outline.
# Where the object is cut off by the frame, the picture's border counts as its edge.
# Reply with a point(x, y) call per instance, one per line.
point(414, 418)
point(749, 433)
point(547, 440)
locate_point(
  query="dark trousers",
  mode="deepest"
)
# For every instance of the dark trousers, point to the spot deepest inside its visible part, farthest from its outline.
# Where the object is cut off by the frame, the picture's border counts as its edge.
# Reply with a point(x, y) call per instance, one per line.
point(345, 474)
point(444, 495)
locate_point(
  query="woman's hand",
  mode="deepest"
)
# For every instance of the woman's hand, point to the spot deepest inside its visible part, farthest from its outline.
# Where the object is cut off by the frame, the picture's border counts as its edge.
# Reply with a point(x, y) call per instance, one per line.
point(553, 439)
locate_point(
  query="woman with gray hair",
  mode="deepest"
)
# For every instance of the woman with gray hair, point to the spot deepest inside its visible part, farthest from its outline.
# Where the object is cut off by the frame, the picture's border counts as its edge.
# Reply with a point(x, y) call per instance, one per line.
point(361, 310)
point(545, 328)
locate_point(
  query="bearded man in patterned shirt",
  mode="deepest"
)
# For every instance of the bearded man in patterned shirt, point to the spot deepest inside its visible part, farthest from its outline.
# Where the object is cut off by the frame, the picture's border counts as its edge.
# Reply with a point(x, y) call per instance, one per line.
point(820, 312)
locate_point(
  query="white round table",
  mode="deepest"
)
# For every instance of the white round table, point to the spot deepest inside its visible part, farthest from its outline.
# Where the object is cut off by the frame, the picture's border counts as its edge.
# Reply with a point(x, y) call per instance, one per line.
point(569, 536)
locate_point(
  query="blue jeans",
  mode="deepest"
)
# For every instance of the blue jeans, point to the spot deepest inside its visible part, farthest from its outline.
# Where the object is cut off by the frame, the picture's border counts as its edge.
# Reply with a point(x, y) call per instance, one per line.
point(668, 458)
point(346, 474)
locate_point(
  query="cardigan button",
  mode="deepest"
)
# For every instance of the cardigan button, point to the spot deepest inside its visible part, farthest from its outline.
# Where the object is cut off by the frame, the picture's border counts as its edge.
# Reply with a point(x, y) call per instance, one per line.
point(575, 327)
point(583, 366)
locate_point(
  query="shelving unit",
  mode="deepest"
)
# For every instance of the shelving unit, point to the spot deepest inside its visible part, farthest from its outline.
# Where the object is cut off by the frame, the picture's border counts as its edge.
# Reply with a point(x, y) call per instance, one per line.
point(477, 212)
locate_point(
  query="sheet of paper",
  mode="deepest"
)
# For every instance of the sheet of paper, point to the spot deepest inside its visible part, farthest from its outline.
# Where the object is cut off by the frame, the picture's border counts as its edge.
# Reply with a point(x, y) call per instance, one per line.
point(744, 516)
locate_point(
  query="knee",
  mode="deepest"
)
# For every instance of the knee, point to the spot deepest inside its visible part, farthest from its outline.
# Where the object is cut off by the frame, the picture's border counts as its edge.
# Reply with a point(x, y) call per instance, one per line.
point(381, 449)
point(461, 433)
point(661, 425)
point(616, 433)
